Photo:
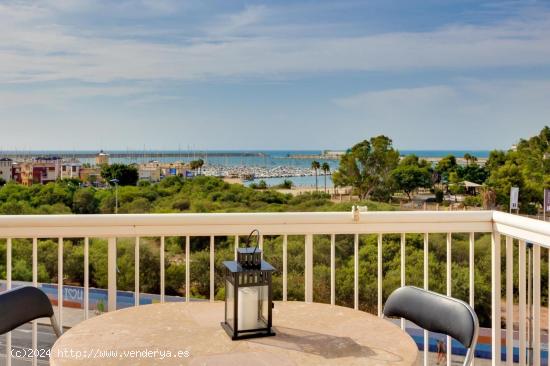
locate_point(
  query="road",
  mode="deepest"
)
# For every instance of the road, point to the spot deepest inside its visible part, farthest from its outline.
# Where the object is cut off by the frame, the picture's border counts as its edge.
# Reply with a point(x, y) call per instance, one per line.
point(21, 340)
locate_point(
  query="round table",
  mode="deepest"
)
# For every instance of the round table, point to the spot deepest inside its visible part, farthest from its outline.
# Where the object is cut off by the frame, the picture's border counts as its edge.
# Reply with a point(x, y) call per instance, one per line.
point(307, 334)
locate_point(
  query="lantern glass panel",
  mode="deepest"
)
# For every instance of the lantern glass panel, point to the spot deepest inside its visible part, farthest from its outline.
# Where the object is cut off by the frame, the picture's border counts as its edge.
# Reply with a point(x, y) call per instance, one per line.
point(229, 303)
point(264, 297)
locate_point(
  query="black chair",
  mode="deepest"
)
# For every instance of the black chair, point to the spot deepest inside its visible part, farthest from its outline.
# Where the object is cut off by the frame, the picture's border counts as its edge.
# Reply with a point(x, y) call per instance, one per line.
point(23, 304)
point(436, 313)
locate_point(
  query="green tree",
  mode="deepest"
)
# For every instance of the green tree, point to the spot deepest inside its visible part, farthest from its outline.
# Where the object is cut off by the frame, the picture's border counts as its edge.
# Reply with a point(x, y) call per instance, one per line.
point(511, 175)
point(15, 208)
point(175, 279)
point(200, 164)
point(526, 167)
point(193, 165)
point(367, 167)
point(14, 192)
point(85, 202)
point(445, 166)
point(470, 159)
point(52, 193)
point(21, 271)
point(326, 170)
point(472, 173)
point(315, 165)
point(496, 159)
point(409, 178)
point(196, 166)
point(414, 160)
point(127, 175)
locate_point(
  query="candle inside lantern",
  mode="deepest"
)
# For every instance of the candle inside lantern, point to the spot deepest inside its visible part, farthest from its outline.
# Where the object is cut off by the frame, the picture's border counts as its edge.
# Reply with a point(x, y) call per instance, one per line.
point(248, 308)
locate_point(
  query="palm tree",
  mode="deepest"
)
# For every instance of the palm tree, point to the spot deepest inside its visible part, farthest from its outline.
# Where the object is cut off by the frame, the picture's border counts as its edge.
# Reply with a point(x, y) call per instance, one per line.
point(326, 169)
point(470, 159)
point(467, 157)
point(196, 166)
point(200, 163)
point(193, 166)
point(489, 197)
point(315, 166)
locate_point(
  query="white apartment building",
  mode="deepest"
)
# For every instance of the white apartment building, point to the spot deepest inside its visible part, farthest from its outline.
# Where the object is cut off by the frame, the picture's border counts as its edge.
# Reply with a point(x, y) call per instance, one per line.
point(5, 169)
point(70, 170)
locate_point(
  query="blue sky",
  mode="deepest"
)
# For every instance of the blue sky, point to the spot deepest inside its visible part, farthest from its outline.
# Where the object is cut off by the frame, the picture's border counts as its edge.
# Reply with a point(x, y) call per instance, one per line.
point(434, 74)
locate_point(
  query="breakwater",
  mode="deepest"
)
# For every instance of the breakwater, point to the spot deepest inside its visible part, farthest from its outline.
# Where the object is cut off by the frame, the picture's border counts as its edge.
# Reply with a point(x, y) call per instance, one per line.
point(131, 155)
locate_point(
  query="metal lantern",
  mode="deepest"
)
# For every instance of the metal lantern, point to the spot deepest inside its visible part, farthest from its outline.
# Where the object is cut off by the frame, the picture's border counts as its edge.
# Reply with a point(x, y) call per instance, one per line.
point(248, 294)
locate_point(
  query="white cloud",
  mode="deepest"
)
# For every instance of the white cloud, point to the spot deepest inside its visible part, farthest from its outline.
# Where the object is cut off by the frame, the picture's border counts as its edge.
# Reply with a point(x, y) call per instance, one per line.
point(232, 23)
point(57, 97)
point(468, 110)
point(34, 48)
point(119, 8)
point(429, 96)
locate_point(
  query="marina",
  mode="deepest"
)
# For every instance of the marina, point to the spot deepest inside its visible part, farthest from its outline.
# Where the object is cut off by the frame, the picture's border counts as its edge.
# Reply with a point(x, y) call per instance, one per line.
point(248, 167)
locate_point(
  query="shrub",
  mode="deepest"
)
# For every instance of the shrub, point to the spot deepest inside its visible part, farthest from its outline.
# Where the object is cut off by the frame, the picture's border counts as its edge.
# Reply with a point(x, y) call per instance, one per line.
point(181, 204)
point(474, 201)
point(287, 184)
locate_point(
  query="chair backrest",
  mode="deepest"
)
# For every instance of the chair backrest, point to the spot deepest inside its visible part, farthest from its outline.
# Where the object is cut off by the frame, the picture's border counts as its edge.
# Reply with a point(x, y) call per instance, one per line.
point(21, 305)
point(435, 313)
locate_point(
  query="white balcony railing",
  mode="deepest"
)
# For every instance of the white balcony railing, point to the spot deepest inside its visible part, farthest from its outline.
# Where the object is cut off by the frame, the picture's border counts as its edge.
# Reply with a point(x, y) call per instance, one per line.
point(498, 224)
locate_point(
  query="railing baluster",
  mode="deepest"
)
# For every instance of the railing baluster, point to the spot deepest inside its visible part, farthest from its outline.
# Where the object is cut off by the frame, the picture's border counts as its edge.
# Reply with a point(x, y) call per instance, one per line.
point(356, 272)
point(212, 269)
point(136, 272)
point(261, 244)
point(162, 270)
point(309, 268)
point(471, 269)
point(522, 303)
point(236, 246)
point(495, 299)
point(285, 259)
point(380, 275)
point(187, 269)
point(426, 287)
point(403, 273)
point(86, 277)
point(111, 274)
point(8, 287)
point(449, 291)
point(536, 305)
point(332, 269)
point(509, 301)
point(34, 341)
point(60, 283)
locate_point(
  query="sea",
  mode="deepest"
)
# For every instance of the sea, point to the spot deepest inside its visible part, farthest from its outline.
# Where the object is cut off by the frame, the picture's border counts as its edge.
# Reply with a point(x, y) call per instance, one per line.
point(249, 158)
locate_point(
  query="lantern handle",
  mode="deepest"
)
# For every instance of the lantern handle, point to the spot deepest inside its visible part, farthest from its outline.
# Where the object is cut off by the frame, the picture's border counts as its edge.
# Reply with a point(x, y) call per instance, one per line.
point(257, 241)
